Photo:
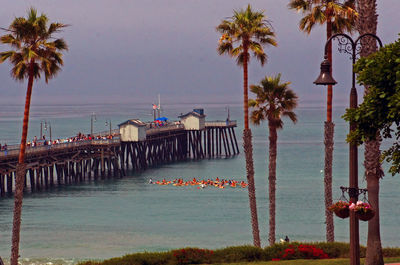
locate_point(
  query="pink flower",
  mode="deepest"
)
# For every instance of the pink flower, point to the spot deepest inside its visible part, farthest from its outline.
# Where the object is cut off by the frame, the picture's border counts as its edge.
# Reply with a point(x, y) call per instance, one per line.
point(359, 203)
point(352, 206)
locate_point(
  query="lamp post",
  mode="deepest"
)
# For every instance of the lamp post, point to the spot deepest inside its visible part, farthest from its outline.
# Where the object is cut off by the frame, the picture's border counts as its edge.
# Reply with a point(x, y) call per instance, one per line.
point(47, 125)
point(108, 123)
point(348, 45)
point(92, 119)
point(41, 129)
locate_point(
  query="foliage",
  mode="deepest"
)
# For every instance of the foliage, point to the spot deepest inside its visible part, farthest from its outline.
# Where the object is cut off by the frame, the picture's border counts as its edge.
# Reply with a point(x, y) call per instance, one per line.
point(248, 30)
point(338, 206)
point(273, 101)
point(35, 48)
point(192, 256)
point(239, 254)
point(380, 111)
point(318, 12)
point(361, 207)
point(302, 252)
point(155, 258)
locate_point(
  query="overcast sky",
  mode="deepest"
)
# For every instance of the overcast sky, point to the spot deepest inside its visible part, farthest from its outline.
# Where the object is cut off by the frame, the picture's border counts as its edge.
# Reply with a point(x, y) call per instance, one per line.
point(131, 51)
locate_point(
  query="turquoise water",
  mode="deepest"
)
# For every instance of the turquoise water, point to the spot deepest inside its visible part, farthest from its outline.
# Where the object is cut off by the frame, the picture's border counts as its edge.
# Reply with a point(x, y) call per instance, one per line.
point(109, 218)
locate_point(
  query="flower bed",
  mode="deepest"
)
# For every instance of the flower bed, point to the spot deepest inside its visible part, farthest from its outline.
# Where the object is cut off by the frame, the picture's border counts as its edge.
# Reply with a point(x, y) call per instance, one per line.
point(302, 252)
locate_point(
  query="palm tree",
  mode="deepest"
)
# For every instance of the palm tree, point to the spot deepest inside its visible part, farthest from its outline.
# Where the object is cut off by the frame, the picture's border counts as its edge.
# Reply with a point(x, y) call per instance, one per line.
point(248, 30)
point(367, 22)
point(35, 52)
point(339, 16)
point(274, 101)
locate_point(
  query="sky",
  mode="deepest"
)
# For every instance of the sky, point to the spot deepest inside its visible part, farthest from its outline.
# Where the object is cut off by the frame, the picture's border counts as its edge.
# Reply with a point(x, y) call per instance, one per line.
point(129, 51)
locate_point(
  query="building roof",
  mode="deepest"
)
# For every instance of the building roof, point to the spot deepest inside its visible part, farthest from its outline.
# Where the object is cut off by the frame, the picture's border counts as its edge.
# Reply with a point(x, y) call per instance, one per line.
point(193, 113)
point(134, 122)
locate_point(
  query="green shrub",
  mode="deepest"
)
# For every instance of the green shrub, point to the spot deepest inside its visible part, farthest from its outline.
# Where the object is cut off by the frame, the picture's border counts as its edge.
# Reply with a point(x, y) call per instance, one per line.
point(391, 252)
point(154, 258)
point(192, 256)
point(239, 254)
point(234, 254)
point(301, 252)
point(334, 249)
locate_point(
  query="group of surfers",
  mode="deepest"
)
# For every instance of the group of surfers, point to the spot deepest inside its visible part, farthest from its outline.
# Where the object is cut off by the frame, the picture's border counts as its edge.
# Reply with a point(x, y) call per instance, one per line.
point(219, 183)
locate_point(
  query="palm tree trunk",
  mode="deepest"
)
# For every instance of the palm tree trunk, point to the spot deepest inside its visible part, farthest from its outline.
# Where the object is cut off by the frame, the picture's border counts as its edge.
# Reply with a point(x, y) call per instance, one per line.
point(20, 175)
point(374, 255)
point(248, 151)
point(328, 135)
point(272, 181)
point(367, 22)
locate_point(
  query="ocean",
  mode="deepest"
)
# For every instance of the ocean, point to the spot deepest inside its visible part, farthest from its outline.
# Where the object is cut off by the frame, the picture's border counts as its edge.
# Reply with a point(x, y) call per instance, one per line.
point(107, 218)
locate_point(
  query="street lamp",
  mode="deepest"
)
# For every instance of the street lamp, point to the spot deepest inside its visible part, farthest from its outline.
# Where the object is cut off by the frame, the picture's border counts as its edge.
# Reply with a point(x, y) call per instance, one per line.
point(92, 119)
point(108, 123)
point(41, 128)
point(47, 125)
point(348, 45)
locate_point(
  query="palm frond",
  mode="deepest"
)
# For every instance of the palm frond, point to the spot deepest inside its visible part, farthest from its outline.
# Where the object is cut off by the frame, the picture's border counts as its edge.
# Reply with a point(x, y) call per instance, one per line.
point(34, 47)
point(245, 27)
point(341, 13)
point(299, 5)
point(5, 55)
point(225, 47)
point(274, 99)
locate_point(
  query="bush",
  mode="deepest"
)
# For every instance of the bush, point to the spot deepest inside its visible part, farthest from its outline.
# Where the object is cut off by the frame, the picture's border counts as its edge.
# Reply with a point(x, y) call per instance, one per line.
point(301, 252)
point(192, 256)
point(334, 249)
point(155, 258)
point(391, 252)
point(240, 254)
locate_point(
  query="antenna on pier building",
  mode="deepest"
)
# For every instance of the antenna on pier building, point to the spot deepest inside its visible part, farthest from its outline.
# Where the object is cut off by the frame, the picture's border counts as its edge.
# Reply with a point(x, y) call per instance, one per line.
point(159, 106)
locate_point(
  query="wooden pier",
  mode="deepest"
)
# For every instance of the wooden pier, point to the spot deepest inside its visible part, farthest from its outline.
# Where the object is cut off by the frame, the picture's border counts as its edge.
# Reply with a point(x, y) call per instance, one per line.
point(70, 163)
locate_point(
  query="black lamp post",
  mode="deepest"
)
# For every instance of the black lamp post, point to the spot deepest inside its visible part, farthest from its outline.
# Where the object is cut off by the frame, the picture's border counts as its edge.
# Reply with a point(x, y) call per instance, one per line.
point(348, 45)
point(92, 119)
point(47, 125)
point(108, 123)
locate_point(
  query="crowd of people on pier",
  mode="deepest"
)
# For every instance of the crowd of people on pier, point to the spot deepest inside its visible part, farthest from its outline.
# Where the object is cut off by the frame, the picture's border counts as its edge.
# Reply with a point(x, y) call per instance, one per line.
point(43, 141)
point(218, 183)
point(3, 147)
point(79, 137)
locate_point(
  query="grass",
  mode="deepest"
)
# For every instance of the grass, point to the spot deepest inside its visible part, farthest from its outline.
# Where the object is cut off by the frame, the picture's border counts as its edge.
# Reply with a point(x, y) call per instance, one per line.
point(307, 262)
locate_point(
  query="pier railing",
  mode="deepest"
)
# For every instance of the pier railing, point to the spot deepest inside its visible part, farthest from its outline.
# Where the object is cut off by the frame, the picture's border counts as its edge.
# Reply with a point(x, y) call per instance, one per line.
point(60, 146)
point(221, 123)
point(105, 133)
point(164, 128)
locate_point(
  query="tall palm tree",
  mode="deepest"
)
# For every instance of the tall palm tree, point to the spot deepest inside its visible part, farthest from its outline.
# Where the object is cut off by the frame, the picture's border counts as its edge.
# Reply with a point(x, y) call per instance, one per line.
point(35, 52)
point(339, 16)
point(367, 22)
point(247, 31)
point(274, 101)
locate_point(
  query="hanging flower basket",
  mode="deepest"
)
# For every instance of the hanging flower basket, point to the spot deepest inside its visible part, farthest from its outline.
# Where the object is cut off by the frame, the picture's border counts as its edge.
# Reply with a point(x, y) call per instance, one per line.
point(365, 216)
point(341, 209)
point(363, 210)
point(342, 213)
